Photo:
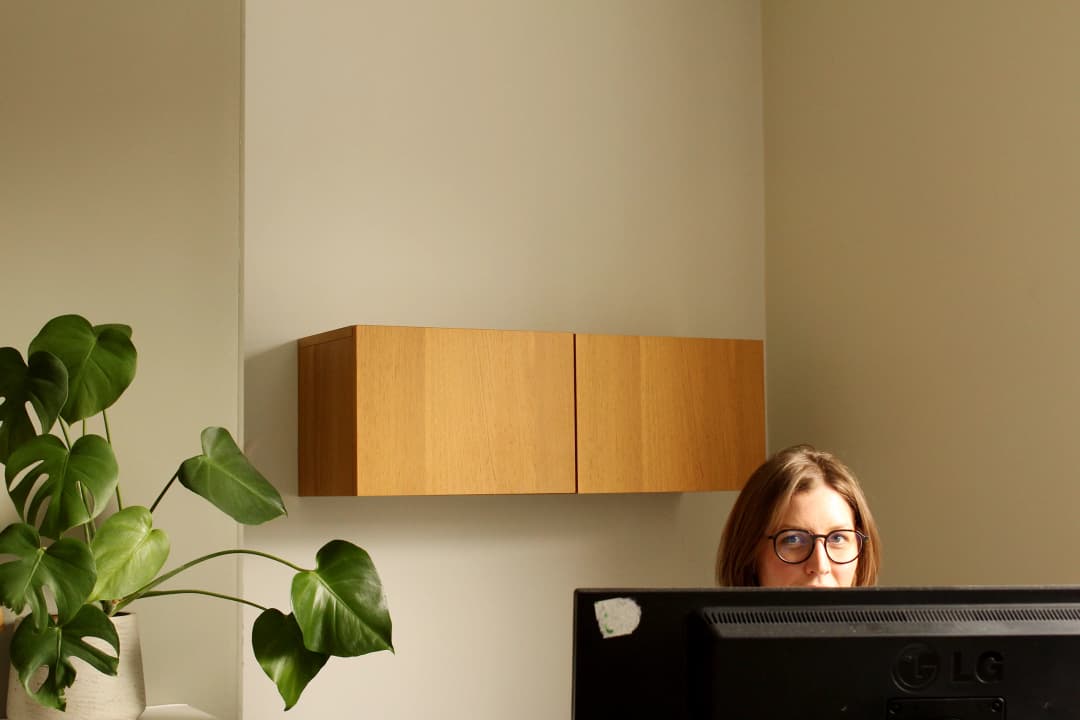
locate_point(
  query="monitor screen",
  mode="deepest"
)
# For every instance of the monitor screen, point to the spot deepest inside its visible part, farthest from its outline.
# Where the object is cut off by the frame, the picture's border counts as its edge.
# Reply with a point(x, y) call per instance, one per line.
point(959, 653)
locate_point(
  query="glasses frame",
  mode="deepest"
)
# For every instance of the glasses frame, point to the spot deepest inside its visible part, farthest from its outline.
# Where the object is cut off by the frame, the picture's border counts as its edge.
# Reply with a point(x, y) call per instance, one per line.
point(862, 540)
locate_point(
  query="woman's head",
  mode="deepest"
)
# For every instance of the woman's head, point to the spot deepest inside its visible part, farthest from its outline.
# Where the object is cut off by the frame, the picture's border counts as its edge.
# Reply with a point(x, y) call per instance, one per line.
point(807, 490)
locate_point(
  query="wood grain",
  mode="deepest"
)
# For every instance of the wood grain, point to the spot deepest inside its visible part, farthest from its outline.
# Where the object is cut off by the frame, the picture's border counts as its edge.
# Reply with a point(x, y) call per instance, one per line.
point(327, 413)
point(434, 411)
point(665, 414)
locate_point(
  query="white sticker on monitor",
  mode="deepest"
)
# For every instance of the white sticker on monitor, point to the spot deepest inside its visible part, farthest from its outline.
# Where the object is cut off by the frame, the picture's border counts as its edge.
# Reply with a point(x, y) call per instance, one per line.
point(617, 616)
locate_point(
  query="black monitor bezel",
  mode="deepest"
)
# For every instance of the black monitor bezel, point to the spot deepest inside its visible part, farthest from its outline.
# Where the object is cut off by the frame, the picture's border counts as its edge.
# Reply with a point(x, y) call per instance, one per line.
point(616, 678)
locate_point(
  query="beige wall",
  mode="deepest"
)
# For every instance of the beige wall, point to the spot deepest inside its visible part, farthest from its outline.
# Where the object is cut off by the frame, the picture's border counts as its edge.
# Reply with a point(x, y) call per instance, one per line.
point(119, 200)
point(923, 170)
point(560, 165)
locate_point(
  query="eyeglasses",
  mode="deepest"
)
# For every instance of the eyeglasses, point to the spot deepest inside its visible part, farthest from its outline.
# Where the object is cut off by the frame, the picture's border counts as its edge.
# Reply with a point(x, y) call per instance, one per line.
point(796, 546)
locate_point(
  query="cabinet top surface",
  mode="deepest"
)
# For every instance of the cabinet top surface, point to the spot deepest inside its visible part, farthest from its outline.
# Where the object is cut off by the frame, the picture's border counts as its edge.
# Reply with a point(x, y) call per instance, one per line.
point(351, 330)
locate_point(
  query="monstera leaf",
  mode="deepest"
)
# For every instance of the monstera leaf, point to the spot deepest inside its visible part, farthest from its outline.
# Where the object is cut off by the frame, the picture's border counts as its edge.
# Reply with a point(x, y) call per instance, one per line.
point(279, 647)
point(226, 478)
point(52, 646)
point(66, 568)
point(340, 605)
point(100, 361)
point(128, 552)
point(61, 482)
point(42, 383)
point(69, 557)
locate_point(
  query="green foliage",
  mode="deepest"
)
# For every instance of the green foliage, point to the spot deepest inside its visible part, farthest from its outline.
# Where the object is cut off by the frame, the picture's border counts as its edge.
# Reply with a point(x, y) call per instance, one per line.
point(224, 476)
point(128, 553)
point(339, 605)
point(100, 362)
point(67, 487)
point(42, 383)
point(77, 545)
point(52, 647)
point(279, 647)
point(65, 567)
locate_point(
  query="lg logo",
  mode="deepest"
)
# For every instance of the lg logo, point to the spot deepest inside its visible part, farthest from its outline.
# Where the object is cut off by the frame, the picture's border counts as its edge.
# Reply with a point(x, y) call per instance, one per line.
point(985, 669)
point(918, 666)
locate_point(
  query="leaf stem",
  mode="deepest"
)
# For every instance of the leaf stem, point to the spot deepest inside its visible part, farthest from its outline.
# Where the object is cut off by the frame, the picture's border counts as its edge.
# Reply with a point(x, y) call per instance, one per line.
point(88, 527)
point(108, 439)
point(88, 532)
point(145, 589)
point(163, 490)
point(159, 593)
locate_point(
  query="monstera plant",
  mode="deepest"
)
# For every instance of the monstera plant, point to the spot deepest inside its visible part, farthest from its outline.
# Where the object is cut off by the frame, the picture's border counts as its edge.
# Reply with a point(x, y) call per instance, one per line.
point(78, 555)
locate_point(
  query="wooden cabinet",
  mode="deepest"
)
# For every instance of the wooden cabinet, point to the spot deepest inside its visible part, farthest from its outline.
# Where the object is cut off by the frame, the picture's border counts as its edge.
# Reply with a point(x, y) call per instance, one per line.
point(428, 411)
point(664, 414)
point(431, 411)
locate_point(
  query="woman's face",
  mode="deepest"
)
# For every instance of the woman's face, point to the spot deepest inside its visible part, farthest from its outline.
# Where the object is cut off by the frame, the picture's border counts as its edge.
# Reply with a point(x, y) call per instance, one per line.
point(819, 510)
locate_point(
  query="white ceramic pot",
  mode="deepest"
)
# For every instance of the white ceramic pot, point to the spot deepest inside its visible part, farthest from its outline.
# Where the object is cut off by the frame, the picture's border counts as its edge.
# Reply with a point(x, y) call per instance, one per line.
point(93, 696)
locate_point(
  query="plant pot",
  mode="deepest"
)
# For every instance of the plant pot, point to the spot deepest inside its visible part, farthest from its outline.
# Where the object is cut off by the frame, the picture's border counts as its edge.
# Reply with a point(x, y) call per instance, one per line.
point(93, 696)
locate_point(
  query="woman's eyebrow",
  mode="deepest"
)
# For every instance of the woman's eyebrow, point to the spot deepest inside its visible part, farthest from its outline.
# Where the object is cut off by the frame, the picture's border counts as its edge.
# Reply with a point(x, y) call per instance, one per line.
point(834, 528)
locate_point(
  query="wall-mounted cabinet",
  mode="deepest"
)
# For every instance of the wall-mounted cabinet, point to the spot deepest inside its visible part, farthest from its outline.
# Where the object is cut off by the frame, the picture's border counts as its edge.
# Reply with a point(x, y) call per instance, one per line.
point(667, 414)
point(432, 411)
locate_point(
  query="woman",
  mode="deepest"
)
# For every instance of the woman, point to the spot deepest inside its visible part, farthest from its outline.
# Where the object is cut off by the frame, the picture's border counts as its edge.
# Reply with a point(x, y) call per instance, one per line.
point(801, 520)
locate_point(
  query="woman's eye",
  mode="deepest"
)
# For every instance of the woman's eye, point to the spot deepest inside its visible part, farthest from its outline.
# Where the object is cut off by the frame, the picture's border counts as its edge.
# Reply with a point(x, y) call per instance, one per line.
point(793, 539)
point(839, 538)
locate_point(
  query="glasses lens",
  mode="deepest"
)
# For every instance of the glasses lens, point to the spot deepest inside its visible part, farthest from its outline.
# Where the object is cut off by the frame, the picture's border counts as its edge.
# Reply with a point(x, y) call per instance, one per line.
point(843, 546)
point(794, 546)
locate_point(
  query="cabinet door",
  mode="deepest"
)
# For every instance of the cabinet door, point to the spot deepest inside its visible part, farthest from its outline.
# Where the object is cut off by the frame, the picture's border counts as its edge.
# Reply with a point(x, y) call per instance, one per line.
point(665, 414)
point(431, 411)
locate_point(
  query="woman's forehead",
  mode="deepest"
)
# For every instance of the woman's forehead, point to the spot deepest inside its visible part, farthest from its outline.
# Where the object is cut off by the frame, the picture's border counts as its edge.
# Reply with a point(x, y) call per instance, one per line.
point(818, 508)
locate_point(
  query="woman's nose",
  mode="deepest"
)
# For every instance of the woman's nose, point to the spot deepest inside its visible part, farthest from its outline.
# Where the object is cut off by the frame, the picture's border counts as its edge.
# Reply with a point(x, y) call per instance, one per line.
point(819, 563)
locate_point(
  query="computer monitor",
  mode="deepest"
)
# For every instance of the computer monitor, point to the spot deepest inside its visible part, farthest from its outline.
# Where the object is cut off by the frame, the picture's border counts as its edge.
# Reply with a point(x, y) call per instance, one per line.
point(957, 653)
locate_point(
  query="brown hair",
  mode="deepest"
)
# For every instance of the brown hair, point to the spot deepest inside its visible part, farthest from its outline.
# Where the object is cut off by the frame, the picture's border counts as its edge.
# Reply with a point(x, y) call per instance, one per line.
point(764, 499)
